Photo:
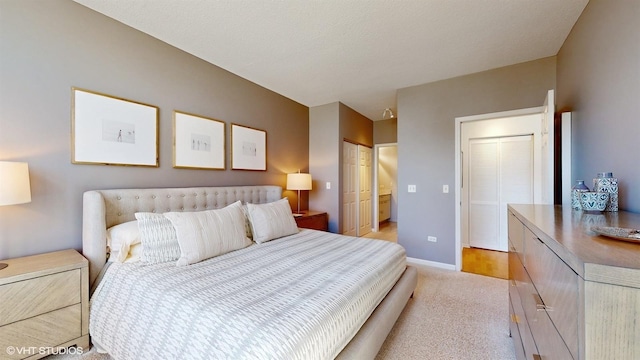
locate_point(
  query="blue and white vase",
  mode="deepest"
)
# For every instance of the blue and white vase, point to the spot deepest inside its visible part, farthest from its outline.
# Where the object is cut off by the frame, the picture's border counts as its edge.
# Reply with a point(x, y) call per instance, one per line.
point(605, 182)
point(575, 194)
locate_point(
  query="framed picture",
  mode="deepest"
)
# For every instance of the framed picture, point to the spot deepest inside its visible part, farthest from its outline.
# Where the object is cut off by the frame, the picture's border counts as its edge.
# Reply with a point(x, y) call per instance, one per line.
point(248, 148)
point(108, 130)
point(198, 142)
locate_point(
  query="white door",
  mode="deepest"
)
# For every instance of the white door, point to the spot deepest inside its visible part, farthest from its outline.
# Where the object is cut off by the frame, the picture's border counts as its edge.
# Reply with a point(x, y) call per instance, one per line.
point(500, 172)
point(349, 188)
point(364, 190)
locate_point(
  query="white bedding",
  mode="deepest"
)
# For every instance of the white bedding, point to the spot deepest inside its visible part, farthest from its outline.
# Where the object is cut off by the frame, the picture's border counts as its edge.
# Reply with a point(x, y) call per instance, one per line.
point(299, 297)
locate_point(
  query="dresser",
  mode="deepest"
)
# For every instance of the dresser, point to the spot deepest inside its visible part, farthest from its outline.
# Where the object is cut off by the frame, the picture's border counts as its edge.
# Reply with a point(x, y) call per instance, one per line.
point(44, 305)
point(316, 220)
point(572, 294)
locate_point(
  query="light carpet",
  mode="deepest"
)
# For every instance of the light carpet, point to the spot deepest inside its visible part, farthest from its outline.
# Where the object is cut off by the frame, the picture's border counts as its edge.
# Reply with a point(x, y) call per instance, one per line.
point(452, 315)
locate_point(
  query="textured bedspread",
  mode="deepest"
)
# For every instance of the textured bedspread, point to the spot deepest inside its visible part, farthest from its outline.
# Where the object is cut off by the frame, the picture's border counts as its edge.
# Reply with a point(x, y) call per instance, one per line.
point(300, 297)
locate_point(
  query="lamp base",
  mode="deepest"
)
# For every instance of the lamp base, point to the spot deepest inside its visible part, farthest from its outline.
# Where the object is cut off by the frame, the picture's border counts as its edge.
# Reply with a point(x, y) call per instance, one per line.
point(3, 265)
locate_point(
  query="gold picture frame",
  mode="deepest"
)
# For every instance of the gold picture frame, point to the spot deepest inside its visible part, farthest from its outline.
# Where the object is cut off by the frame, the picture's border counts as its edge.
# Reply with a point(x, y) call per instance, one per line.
point(109, 130)
point(248, 148)
point(198, 142)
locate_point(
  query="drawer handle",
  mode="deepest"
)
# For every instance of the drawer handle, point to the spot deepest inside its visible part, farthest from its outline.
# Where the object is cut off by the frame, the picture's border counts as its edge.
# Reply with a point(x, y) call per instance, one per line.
point(540, 306)
point(537, 357)
point(515, 318)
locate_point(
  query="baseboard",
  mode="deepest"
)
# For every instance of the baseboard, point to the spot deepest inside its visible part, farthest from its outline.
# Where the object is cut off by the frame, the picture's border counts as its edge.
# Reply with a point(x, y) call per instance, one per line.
point(421, 262)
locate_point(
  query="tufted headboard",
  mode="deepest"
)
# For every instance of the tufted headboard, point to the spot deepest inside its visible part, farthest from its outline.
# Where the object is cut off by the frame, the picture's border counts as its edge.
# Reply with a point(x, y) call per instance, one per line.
point(105, 208)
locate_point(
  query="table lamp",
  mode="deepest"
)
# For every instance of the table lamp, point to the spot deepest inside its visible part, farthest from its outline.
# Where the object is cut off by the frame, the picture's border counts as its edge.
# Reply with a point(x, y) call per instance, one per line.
point(298, 181)
point(14, 185)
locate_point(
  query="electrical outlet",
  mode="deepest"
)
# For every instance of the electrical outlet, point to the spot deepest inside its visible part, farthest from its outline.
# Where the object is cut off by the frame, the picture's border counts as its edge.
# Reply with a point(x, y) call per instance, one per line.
point(445, 189)
point(412, 188)
point(432, 239)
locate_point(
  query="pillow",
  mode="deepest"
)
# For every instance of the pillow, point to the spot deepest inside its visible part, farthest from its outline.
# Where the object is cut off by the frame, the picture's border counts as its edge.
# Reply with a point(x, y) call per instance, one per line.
point(158, 238)
point(120, 238)
point(271, 221)
point(247, 223)
point(205, 234)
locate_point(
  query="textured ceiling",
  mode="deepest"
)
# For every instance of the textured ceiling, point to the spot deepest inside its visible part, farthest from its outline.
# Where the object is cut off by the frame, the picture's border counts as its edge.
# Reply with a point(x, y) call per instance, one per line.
point(358, 52)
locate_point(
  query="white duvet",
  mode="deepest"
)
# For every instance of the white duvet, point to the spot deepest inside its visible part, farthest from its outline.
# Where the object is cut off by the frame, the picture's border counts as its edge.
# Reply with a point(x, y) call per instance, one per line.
point(299, 297)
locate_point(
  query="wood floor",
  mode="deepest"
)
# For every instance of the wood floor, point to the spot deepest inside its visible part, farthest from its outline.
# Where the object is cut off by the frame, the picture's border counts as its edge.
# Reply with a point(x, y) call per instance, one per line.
point(474, 260)
point(485, 262)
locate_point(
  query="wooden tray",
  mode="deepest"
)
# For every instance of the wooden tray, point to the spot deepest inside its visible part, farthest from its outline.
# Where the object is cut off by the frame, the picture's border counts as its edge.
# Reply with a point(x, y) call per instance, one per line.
point(631, 235)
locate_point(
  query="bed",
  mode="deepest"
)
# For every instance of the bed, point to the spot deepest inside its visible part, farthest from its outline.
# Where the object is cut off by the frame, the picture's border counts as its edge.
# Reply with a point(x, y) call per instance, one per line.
point(295, 296)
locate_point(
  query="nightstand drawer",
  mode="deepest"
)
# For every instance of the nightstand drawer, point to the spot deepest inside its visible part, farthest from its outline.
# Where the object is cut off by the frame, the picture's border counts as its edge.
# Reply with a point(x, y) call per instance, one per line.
point(24, 299)
point(55, 327)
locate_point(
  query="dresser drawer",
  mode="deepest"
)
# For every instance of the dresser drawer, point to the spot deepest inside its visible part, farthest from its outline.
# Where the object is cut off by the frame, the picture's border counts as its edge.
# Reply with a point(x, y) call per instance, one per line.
point(44, 294)
point(557, 286)
point(516, 235)
point(55, 327)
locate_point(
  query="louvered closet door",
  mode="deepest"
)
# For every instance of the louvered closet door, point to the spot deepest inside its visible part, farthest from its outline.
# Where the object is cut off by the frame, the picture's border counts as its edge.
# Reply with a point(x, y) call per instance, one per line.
point(500, 172)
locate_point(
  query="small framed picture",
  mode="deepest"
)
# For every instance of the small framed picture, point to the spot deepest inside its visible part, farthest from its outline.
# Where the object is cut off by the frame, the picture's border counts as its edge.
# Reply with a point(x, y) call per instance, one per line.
point(108, 130)
point(248, 148)
point(198, 142)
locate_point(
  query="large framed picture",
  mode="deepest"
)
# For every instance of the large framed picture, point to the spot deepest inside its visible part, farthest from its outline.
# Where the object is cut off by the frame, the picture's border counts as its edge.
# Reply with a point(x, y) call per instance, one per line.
point(108, 130)
point(248, 148)
point(198, 142)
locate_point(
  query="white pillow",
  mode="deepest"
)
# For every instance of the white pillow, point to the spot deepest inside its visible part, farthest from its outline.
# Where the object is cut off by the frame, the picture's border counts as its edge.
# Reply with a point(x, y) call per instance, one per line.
point(271, 221)
point(158, 238)
point(120, 238)
point(205, 234)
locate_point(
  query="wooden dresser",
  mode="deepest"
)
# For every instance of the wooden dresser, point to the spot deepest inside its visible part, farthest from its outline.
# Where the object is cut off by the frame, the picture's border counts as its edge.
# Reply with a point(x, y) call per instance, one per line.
point(316, 220)
point(44, 305)
point(573, 294)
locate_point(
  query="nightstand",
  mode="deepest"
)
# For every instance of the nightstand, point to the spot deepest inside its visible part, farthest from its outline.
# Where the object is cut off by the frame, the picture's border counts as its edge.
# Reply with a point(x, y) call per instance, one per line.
point(316, 220)
point(44, 304)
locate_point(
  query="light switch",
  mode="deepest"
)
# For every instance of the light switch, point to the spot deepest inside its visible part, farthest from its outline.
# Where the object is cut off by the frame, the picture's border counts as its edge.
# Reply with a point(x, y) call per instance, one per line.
point(328, 185)
point(445, 189)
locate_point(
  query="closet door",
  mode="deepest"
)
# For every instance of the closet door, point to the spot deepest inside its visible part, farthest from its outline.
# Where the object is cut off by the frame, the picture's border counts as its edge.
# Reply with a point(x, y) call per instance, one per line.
point(349, 188)
point(500, 172)
point(364, 190)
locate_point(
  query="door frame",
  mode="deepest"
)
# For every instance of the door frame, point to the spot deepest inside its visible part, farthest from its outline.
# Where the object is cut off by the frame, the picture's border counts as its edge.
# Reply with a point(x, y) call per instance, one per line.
point(458, 166)
point(375, 193)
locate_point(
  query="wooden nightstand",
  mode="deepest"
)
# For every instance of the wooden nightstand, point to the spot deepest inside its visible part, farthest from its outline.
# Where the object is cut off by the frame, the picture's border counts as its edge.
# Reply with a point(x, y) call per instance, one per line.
point(316, 220)
point(44, 304)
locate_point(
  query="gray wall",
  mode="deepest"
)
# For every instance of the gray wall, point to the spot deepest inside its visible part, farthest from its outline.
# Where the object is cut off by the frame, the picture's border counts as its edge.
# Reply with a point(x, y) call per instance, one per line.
point(324, 155)
point(599, 81)
point(426, 119)
point(329, 125)
point(46, 47)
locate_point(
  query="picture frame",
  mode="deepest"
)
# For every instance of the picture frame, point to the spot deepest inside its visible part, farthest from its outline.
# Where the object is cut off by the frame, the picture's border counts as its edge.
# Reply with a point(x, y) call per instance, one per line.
point(109, 130)
point(198, 142)
point(248, 148)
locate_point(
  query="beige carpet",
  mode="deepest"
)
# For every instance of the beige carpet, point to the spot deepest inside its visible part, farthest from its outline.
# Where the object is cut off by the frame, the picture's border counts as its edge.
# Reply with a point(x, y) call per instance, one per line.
point(453, 315)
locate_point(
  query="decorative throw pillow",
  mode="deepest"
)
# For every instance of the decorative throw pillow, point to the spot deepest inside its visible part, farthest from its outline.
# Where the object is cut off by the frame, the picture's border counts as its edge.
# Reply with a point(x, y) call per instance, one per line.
point(271, 221)
point(120, 238)
point(205, 234)
point(158, 237)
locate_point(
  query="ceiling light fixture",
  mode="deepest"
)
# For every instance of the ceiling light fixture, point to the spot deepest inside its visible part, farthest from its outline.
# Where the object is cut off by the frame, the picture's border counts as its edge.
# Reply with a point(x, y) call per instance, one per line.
point(384, 114)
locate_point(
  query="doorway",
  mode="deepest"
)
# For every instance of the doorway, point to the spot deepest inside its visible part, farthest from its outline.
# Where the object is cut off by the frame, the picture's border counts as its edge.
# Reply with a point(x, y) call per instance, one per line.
point(537, 122)
point(385, 186)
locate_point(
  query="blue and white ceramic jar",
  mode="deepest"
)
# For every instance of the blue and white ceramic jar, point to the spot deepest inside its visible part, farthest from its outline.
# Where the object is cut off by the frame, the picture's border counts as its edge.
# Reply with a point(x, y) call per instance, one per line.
point(578, 188)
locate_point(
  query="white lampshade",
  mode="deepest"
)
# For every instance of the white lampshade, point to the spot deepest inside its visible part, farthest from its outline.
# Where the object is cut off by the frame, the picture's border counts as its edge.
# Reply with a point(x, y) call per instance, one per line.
point(298, 181)
point(15, 187)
